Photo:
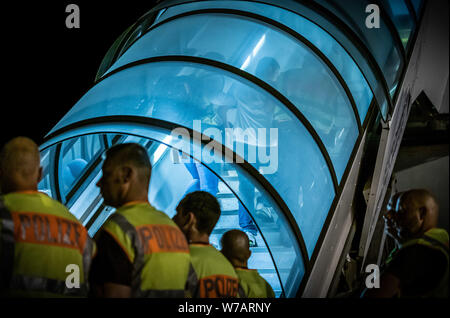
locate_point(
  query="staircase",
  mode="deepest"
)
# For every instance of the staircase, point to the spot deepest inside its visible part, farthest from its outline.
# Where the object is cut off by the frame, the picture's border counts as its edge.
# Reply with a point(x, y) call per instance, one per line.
point(260, 258)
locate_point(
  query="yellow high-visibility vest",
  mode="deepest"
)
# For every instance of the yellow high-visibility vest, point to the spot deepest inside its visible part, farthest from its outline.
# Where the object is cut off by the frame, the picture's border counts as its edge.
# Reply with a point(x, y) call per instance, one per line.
point(155, 246)
point(212, 276)
point(45, 251)
point(253, 285)
point(436, 239)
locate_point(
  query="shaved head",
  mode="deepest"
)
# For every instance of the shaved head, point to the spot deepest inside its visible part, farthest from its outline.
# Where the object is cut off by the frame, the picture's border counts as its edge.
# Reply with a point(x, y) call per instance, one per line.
point(426, 202)
point(411, 213)
point(19, 165)
point(236, 247)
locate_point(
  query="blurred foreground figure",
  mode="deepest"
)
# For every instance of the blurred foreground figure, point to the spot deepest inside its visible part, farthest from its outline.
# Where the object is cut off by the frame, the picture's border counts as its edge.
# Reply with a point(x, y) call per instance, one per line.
point(44, 250)
point(141, 251)
point(419, 265)
point(236, 248)
point(211, 274)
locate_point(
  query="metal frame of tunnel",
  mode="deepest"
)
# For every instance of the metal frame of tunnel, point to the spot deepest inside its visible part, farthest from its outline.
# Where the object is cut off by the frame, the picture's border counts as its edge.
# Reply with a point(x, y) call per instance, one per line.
point(123, 43)
point(152, 122)
point(255, 80)
point(293, 7)
point(272, 23)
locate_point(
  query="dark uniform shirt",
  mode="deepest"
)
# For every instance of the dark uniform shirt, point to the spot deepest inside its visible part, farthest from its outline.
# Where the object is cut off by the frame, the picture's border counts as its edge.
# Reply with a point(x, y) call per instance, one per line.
point(111, 264)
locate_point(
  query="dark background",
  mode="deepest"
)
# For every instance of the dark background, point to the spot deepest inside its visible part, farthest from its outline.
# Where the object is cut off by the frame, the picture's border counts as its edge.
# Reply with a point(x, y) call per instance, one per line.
point(47, 67)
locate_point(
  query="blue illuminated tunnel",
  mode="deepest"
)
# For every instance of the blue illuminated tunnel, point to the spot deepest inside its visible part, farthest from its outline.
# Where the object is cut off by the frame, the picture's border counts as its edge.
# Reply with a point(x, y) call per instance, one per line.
point(309, 71)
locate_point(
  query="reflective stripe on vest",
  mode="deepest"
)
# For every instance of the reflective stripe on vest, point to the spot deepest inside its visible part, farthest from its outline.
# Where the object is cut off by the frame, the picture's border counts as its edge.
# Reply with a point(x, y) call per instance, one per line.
point(150, 239)
point(55, 235)
point(7, 246)
point(241, 292)
point(430, 241)
point(88, 255)
point(138, 261)
point(31, 284)
point(192, 282)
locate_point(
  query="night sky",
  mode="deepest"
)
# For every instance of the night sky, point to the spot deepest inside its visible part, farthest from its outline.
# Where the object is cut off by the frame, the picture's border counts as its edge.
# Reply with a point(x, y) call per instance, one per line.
point(47, 67)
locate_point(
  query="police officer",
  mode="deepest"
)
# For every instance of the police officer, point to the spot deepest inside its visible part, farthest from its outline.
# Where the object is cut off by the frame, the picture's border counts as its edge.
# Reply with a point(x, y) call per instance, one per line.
point(236, 248)
point(44, 250)
point(419, 265)
point(212, 275)
point(141, 251)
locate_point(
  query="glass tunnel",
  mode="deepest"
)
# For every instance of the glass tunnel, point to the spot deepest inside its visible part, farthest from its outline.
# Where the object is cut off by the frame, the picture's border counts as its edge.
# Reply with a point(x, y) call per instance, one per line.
point(261, 103)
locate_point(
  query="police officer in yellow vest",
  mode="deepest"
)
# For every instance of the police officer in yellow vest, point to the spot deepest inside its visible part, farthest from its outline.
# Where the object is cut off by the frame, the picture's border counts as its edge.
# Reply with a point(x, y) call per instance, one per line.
point(211, 275)
point(236, 248)
point(419, 265)
point(141, 251)
point(44, 250)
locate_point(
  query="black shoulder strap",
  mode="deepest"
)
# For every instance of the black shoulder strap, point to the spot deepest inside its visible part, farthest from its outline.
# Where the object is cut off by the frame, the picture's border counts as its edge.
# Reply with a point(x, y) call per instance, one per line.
point(192, 282)
point(7, 246)
point(138, 264)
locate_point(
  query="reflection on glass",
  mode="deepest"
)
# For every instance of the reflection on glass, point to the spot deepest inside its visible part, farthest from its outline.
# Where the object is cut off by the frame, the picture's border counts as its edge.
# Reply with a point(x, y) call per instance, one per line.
point(209, 100)
point(45, 183)
point(298, 74)
point(379, 41)
point(171, 181)
point(76, 154)
point(316, 35)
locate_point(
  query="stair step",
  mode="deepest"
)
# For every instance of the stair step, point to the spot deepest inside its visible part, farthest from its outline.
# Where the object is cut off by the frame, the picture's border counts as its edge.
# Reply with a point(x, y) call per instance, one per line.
point(228, 203)
point(230, 178)
point(225, 195)
point(219, 229)
point(231, 172)
point(229, 212)
point(272, 236)
point(228, 221)
point(285, 260)
point(224, 188)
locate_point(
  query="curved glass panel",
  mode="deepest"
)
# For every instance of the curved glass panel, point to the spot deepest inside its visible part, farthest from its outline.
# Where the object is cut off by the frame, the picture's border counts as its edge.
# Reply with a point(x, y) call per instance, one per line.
point(76, 155)
point(298, 73)
point(379, 41)
point(279, 259)
point(45, 185)
point(208, 100)
point(399, 14)
point(348, 69)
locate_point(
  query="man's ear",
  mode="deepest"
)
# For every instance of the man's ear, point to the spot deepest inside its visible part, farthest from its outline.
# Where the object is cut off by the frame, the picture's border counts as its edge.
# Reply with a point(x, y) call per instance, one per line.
point(191, 220)
point(422, 213)
point(126, 173)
